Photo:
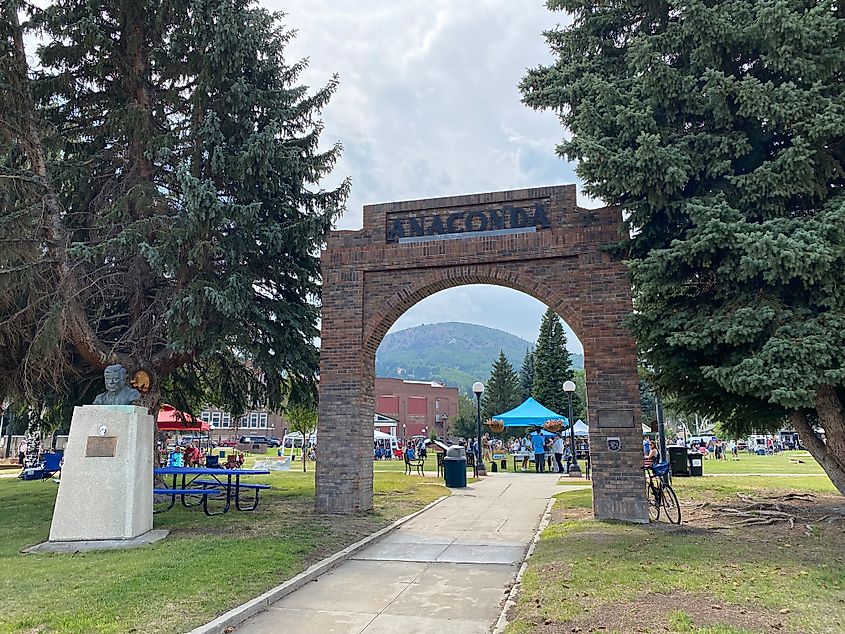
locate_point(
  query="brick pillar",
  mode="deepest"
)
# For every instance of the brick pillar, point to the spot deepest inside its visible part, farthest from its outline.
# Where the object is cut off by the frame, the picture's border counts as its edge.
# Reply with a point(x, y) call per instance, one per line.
point(610, 360)
point(344, 479)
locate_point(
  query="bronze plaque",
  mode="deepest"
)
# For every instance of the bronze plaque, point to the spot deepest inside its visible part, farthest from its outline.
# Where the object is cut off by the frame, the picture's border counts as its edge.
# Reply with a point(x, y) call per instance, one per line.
point(101, 447)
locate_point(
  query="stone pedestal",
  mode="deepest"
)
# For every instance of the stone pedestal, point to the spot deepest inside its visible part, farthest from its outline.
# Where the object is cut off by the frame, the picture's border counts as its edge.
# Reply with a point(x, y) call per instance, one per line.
point(106, 489)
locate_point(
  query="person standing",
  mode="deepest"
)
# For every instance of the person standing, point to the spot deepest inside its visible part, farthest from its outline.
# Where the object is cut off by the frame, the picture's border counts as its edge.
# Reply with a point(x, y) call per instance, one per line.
point(567, 454)
point(557, 449)
point(22, 449)
point(525, 447)
point(485, 448)
point(539, 445)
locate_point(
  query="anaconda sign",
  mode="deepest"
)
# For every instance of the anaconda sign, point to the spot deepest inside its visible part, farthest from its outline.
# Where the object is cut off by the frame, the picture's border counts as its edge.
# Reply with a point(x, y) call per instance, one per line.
point(494, 221)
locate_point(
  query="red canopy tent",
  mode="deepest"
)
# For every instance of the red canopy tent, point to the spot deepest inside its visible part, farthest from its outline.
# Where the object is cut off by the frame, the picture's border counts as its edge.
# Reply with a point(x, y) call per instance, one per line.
point(171, 419)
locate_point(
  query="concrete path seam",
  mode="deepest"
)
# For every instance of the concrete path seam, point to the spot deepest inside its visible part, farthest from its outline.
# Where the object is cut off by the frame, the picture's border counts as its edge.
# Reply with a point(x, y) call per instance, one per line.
point(510, 601)
point(241, 613)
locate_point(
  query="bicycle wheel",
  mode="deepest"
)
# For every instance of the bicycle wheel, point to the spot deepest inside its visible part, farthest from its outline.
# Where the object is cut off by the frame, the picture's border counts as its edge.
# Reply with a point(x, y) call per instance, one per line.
point(653, 503)
point(670, 505)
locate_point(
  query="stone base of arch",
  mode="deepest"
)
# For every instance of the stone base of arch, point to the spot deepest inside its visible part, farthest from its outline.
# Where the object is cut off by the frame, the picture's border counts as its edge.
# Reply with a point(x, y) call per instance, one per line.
point(537, 241)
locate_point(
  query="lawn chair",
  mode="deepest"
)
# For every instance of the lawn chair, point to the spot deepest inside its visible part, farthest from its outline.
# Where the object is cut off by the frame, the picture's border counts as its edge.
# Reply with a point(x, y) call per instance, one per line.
point(52, 465)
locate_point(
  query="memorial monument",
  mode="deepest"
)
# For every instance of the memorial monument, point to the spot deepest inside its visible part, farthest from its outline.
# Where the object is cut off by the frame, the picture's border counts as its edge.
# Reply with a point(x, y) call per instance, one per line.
point(106, 490)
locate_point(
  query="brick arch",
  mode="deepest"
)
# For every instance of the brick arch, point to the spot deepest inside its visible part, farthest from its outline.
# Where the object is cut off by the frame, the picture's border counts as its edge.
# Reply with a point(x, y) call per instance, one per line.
point(537, 241)
point(430, 282)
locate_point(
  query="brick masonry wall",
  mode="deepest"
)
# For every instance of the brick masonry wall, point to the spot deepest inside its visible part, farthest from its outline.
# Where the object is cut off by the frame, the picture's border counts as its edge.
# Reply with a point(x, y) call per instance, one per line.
point(414, 424)
point(369, 282)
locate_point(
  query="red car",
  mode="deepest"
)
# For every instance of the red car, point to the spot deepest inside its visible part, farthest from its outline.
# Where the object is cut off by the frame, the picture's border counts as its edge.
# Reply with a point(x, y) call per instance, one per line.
point(227, 443)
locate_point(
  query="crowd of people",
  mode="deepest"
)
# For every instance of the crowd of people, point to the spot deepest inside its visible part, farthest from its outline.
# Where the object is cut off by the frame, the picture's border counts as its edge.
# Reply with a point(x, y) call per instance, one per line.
point(550, 452)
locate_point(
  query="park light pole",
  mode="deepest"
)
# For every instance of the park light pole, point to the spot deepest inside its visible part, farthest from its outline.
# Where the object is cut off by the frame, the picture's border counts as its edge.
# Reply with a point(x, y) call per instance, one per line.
point(661, 427)
point(574, 469)
point(478, 390)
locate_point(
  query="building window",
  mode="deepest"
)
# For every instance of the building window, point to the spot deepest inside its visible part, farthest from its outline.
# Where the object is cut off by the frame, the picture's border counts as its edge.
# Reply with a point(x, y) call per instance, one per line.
point(437, 418)
point(263, 420)
point(205, 416)
point(215, 419)
point(227, 419)
point(253, 420)
point(437, 403)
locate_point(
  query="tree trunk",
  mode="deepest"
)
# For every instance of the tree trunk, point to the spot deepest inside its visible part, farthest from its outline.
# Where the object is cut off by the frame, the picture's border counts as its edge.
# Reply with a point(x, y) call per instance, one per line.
point(33, 443)
point(151, 399)
point(830, 455)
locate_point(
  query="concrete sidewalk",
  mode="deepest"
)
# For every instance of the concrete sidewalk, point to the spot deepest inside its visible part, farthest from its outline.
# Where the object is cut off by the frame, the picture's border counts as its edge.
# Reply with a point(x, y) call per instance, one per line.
point(446, 570)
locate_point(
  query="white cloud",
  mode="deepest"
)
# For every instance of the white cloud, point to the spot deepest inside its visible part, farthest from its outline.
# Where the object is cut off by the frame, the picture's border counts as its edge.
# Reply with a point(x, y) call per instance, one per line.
point(429, 105)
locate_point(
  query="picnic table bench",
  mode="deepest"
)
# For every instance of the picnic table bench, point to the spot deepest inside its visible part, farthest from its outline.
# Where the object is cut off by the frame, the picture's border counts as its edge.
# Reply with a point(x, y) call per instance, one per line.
point(205, 483)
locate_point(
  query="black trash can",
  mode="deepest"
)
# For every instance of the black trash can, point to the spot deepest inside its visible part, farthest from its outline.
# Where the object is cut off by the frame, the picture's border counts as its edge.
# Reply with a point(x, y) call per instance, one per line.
point(696, 462)
point(455, 467)
point(678, 461)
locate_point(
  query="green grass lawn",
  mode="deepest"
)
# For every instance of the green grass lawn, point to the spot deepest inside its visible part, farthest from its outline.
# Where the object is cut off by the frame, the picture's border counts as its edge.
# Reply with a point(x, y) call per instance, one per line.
point(205, 567)
point(785, 462)
point(698, 578)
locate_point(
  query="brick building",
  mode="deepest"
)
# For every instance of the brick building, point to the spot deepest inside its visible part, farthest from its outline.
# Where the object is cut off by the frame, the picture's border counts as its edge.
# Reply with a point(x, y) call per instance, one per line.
point(418, 406)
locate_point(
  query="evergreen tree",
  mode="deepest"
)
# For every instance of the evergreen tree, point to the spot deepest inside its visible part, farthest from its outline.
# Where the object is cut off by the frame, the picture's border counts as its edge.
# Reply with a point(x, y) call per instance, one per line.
point(465, 424)
point(502, 391)
point(552, 366)
point(526, 374)
point(160, 185)
point(719, 127)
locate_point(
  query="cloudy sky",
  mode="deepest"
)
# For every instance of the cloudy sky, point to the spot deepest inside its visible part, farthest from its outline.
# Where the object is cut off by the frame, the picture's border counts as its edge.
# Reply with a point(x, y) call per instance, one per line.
point(428, 106)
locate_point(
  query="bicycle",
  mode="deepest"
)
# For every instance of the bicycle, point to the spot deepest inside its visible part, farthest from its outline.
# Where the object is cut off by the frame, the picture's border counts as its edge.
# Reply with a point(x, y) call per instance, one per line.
point(661, 495)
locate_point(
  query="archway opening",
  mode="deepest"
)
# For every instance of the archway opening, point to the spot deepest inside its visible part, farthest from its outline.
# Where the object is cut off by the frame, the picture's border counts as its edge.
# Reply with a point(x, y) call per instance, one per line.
point(433, 354)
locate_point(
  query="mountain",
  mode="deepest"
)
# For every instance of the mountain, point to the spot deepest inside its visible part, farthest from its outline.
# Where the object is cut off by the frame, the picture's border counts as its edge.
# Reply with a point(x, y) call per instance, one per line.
point(453, 353)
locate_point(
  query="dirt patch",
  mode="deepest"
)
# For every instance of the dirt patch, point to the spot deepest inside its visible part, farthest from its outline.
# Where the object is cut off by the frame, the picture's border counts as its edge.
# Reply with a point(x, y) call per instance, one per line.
point(654, 612)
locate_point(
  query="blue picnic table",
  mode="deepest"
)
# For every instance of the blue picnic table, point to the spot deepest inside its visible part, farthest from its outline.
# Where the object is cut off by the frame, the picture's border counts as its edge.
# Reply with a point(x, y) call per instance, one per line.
point(188, 483)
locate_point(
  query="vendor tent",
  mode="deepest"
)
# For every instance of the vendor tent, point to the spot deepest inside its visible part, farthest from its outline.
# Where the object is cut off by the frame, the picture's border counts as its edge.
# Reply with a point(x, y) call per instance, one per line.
point(380, 435)
point(581, 428)
point(171, 419)
point(529, 414)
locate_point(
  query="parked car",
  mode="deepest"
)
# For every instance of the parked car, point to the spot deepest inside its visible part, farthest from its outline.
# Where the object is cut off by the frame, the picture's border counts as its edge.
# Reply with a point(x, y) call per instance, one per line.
point(264, 440)
point(226, 442)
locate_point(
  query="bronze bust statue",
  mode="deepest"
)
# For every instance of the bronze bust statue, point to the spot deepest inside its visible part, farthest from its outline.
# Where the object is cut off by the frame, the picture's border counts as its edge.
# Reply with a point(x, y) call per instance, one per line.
point(117, 392)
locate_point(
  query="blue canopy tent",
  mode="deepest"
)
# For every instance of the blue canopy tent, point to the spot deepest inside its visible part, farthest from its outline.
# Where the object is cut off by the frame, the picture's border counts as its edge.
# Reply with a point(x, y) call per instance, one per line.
point(529, 414)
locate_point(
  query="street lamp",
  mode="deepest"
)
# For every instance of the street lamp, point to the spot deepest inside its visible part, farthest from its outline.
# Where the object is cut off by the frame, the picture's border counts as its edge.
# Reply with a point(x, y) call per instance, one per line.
point(574, 469)
point(478, 390)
